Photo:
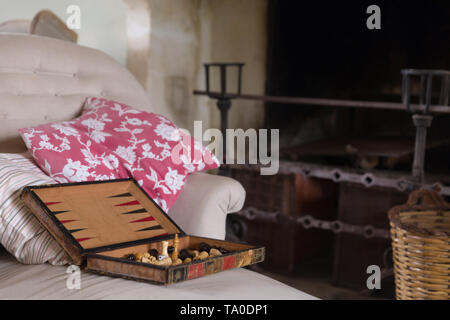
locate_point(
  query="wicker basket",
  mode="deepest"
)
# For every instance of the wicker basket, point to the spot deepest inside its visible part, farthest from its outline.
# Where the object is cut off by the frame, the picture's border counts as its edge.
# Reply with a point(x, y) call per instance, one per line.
point(420, 232)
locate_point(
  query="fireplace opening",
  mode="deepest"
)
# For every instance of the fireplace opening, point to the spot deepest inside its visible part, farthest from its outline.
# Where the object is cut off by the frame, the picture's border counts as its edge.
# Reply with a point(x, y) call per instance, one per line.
point(326, 51)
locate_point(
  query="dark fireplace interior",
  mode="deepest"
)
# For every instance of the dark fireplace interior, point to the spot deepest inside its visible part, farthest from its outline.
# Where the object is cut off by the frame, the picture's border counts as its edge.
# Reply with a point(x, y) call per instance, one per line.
point(325, 50)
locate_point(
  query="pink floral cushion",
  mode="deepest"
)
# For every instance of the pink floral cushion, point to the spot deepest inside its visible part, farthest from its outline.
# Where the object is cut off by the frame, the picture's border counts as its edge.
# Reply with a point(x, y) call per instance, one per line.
point(111, 140)
point(70, 151)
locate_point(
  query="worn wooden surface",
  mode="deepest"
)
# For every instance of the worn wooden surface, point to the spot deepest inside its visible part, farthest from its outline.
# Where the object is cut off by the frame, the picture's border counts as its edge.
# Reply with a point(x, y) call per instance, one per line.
point(124, 270)
point(353, 253)
point(85, 216)
point(52, 226)
point(112, 262)
point(292, 195)
point(100, 223)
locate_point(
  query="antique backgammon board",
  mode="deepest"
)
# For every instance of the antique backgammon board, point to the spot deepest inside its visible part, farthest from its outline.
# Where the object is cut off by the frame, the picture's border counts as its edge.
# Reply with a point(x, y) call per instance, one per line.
point(100, 223)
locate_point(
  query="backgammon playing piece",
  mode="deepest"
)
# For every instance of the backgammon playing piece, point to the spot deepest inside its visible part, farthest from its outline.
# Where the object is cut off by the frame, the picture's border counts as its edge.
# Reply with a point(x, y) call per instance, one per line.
point(163, 262)
point(177, 262)
point(153, 253)
point(139, 256)
point(131, 257)
point(176, 243)
point(222, 250)
point(204, 247)
point(151, 259)
point(146, 255)
point(194, 253)
point(184, 254)
point(214, 252)
point(202, 255)
point(187, 260)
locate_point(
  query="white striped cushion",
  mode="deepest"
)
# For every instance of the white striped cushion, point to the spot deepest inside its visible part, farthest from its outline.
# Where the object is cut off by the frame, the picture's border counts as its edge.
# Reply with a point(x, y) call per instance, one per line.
point(20, 232)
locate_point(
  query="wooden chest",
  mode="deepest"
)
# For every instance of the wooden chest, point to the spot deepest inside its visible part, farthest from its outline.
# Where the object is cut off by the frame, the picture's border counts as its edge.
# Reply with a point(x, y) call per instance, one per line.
point(291, 195)
point(99, 223)
point(359, 205)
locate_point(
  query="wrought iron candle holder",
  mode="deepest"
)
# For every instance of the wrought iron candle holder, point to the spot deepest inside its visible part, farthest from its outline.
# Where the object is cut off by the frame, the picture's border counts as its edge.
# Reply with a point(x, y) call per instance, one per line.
point(421, 118)
point(223, 77)
point(223, 97)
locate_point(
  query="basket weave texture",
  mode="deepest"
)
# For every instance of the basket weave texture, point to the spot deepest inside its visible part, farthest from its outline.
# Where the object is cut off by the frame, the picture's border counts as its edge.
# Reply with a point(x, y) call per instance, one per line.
point(420, 233)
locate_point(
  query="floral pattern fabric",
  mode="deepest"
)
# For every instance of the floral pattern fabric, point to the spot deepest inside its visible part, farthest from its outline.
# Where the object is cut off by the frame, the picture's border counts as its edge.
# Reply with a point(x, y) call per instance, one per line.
point(112, 140)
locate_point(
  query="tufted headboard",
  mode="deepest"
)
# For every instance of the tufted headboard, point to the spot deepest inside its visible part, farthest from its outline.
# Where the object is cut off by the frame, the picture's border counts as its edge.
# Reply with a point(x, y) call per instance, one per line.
point(45, 80)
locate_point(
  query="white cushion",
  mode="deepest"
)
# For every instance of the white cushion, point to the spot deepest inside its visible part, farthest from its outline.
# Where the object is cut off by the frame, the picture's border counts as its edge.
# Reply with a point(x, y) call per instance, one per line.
point(20, 232)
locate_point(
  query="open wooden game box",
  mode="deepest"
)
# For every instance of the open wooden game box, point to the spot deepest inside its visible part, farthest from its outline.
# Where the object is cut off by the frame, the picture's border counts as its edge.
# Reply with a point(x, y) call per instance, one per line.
point(105, 225)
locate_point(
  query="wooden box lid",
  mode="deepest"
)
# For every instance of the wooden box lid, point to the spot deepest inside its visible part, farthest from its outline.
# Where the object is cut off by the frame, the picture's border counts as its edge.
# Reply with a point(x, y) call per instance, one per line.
point(94, 216)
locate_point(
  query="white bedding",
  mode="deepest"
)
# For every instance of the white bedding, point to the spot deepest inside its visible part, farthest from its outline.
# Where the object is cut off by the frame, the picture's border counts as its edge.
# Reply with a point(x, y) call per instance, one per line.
point(18, 281)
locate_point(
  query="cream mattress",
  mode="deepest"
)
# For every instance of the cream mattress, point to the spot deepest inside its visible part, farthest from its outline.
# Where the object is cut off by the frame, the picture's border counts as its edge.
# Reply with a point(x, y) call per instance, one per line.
point(18, 281)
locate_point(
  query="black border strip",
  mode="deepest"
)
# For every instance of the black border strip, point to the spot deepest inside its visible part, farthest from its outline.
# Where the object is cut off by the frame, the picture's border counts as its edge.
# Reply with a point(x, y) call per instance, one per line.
point(126, 277)
point(128, 244)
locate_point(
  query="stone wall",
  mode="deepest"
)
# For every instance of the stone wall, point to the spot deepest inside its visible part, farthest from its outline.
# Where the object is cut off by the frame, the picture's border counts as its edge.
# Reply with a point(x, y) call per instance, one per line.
point(183, 34)
point(102, 21)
